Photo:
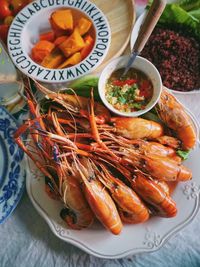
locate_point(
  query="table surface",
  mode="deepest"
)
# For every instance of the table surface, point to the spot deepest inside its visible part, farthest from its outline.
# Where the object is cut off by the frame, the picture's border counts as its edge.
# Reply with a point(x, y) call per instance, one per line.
point(26, 240)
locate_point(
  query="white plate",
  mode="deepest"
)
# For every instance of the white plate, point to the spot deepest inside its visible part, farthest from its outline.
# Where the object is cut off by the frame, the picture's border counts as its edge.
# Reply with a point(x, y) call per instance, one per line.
point(12, 169)
point(146, 237)
point(134, 35)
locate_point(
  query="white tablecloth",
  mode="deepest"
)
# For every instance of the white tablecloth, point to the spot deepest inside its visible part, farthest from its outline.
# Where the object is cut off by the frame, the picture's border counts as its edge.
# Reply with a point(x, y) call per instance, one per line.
point(192, 102)
point(26, 241)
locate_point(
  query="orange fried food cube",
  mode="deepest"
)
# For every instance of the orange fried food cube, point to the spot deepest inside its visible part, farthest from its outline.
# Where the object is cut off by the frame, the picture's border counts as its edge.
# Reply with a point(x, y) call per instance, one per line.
point(89, 43)
point(47, 36)
point(41, 50)
point(62, 20)
point(83, 25)
point(73, 44)
point(53, 60)
point(60, 39)
point(71, 61)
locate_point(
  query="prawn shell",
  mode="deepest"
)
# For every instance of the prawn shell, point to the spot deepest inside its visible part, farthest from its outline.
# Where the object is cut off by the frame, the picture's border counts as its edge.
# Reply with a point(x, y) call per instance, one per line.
point(153, 148)
point(175, 117)
point(161, 168)
point(81, 103)
point(126, 199)
point(166, 169)
point(103, 206)
point(153, 194)
point(130, 218)
point(136, 128)
point(169, 141)
point(130, 203)
point(75, 200)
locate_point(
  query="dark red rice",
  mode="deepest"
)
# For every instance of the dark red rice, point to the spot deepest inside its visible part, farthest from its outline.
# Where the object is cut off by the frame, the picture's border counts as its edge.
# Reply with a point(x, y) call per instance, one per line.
point(176, 56)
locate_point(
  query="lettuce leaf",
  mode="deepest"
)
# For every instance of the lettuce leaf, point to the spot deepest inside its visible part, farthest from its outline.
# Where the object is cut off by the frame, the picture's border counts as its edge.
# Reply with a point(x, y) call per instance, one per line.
point(151, 116)
point(195, 13)
point(186, 13)
point(83, 86)
point(183, 154)
point(175, 14)
point(189, 4)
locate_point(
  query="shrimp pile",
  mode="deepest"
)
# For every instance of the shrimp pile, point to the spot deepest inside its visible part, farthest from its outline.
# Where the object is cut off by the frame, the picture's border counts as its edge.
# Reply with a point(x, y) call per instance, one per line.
point(113, 169)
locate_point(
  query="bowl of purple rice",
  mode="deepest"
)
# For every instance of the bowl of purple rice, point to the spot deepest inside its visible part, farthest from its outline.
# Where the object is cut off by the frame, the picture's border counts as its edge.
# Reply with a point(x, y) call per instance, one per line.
point(175, 52)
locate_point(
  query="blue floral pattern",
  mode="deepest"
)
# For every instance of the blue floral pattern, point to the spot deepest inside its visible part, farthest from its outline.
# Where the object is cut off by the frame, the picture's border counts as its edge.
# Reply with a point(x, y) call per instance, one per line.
point(13, 182)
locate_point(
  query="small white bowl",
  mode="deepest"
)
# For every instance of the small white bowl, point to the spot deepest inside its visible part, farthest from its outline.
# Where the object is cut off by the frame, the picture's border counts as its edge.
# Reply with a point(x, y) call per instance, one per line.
point(144, 66)
point(34, 19)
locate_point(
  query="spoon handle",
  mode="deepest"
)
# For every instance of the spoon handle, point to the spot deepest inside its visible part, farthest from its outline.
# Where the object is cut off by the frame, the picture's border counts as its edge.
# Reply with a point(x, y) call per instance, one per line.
point(148, 25)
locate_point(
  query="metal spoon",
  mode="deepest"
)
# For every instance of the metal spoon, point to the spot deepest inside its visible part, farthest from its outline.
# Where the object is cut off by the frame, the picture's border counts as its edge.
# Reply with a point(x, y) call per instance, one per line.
point(145, 31)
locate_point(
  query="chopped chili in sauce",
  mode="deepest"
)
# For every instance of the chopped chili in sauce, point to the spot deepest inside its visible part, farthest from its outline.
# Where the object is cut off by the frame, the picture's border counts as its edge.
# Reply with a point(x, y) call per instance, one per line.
point(129, 93)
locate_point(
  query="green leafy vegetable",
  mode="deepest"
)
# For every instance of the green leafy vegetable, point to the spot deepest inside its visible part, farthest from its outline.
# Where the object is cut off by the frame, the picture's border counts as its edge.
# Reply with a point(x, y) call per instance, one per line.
point(83, 86)
point(189, 4)
point(185, 13)
point(122, 99)
point(137, 105)
point(195, 13)
point(183, 154)
point(174, 13)
point(151, 116)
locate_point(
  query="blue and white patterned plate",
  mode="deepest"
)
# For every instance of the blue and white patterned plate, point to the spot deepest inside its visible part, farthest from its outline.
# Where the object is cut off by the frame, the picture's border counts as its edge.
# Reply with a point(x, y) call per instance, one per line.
point(12, 168)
